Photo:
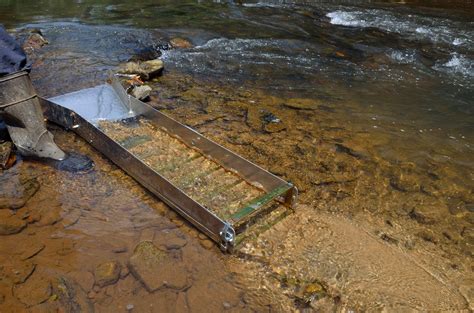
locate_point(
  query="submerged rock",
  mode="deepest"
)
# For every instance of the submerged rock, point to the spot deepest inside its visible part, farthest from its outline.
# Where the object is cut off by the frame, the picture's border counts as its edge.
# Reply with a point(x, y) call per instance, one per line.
point(37, 289)
point(16, 193)
point(107, 273)
point(71, 296)
point(157, 269)
point(301, 104)
point(146, 70)
point(15, 271)
point(10, 223)
point(206, 244)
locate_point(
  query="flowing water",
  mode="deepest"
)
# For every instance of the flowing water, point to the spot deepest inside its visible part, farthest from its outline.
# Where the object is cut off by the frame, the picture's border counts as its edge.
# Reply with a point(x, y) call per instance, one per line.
point(367, 108)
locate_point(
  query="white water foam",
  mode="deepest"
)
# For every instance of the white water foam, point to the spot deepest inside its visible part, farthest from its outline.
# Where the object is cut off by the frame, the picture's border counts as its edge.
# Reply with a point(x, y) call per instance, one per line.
point(458, 64)
point(419, 27)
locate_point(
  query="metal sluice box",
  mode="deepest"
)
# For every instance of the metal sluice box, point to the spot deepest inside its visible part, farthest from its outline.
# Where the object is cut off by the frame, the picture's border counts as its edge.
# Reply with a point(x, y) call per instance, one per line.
point(213, 188)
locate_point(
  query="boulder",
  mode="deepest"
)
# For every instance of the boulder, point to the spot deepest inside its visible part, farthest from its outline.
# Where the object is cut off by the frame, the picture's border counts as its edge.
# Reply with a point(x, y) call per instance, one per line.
point(156, 269)
point(107, 273)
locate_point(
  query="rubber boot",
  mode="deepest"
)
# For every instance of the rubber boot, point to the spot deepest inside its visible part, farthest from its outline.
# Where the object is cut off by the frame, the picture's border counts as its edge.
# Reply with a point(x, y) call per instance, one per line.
point(34, 139)
point(19, 101)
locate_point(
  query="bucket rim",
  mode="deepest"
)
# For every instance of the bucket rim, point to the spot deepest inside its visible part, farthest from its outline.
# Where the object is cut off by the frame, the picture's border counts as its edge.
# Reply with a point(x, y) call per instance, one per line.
point(13, 76)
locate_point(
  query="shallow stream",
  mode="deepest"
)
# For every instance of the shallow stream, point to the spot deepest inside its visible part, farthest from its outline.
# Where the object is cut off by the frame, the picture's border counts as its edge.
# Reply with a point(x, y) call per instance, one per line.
point(367, 109)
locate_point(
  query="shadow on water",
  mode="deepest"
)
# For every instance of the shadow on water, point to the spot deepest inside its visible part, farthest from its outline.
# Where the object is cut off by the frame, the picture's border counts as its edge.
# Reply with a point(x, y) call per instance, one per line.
point(367, 108)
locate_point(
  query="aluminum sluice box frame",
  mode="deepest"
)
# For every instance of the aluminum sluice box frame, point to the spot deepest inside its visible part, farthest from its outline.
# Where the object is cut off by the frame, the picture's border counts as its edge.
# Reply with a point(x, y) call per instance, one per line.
point(64, 112)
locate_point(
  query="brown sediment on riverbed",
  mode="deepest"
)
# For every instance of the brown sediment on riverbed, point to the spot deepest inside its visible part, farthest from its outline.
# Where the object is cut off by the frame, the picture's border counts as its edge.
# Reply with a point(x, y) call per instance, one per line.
point(368, 234)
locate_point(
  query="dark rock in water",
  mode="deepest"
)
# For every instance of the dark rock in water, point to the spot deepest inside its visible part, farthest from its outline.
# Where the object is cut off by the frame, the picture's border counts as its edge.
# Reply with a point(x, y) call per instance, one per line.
point(150, 52)
point(421, 216)
point(75, 163)
point(157, 269)
point(146, 70)
point(107, 273)
point(10, 223)
point(4, 136)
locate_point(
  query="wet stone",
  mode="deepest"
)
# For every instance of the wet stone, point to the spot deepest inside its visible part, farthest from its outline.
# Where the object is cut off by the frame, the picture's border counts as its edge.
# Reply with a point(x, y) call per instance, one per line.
point(180, 43)
point(301, 104)
point(16, 192)
point(141, 92)
point(84, 279)
point(10, 223)
point(175, 243)
point(37, 289)
point(169, 240)
point(50, 216)
point(107, 273)
point(146, 70)
point(16, 271)
point(34, 41)
point(71, 296)
point(206, 244)
point(274, 127)
point(31, 250)
point(156, 269)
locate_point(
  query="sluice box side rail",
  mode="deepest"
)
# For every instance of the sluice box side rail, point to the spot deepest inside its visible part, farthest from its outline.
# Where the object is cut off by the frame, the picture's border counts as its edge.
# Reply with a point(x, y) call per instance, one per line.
point(221, 231)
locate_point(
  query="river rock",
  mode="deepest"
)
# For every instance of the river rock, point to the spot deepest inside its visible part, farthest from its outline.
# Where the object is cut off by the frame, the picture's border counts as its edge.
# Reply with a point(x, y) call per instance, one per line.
point(141, 92)
point(301, 104)
point(206, 244)
point(146, 70)
point(107, 273)
point(84, 279)
point(34, 41)
point(10, 223)
point(37, 289)
point(156, 269)
point(170, 240)
point(5, 151)
point(50, 215)
point(32, 249)
point(15, 271)
point(17, 192)
point(180, 43)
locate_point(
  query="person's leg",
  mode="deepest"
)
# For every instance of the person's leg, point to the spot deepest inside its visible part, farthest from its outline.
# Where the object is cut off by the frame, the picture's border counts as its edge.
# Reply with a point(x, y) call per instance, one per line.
point(19, 101)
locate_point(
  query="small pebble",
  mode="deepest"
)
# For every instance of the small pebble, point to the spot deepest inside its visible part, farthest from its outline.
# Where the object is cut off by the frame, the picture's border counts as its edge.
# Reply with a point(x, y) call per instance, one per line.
point(207, 244)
